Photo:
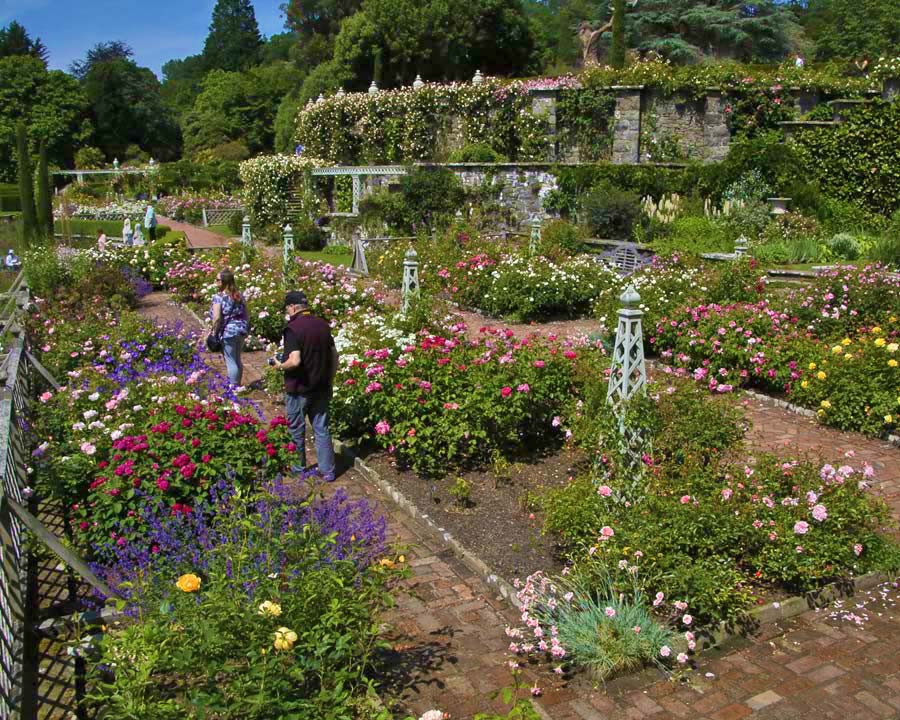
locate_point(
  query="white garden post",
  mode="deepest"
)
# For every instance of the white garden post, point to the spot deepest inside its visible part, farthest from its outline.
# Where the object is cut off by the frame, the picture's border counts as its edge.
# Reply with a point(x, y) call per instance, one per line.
point(288, 249)
point(627, 372)
point(534, 241)
point(740, 246)
point(410, 280)
point(246, 237)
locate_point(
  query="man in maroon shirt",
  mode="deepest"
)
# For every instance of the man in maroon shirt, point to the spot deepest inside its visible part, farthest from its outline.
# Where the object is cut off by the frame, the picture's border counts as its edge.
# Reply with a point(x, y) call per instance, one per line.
point(309, 362)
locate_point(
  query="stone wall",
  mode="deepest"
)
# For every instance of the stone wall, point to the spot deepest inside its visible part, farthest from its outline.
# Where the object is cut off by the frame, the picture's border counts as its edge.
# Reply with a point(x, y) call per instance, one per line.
point(522, 186)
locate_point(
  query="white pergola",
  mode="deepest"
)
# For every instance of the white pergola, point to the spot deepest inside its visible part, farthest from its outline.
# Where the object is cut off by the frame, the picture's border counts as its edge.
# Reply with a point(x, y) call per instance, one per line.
point(357, 172)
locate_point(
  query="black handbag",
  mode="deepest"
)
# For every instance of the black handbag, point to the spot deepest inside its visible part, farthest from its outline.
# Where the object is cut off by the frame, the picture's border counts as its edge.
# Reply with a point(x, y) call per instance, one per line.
point(214, 339)
point(214, 343)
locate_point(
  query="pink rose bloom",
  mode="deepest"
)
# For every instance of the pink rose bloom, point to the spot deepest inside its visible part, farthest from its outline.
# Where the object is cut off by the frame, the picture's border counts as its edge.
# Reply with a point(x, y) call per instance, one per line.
point(606, 532)
point(506, 391)
point(610, 612)
point(636, 629)
point(162, 484)
point(539, 363)
point(87, 448)
point(687, 619)
point(657, 601)
point(685, 499)
point(524, 388)
point(857, 549)
point(682, 658)
point(727, 493)
point(665, 651)
point(373, 387)
point(820, 513)
point(801, 527)
point(605, 491)
point(45, 397)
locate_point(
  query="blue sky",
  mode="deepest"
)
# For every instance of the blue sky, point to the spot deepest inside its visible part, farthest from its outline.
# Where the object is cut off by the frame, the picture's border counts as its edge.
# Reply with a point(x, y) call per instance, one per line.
point(157, 30)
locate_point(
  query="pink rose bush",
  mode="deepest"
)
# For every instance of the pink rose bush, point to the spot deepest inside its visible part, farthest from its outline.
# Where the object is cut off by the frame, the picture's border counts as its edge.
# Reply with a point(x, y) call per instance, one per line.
point(463, 400)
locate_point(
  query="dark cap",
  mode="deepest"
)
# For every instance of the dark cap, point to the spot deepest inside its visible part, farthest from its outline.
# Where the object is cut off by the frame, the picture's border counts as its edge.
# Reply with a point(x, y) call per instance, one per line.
point(295, 297)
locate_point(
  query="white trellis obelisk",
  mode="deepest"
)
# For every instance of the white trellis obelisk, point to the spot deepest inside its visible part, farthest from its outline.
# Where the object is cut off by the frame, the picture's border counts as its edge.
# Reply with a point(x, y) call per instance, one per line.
point(359, 265)
point(628, 372)
point(288, 250)
point(534, 242)
point(410, 280)
point(246, 236)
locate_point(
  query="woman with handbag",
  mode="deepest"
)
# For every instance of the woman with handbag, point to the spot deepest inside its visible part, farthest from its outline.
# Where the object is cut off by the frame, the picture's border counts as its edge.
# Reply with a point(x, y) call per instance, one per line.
point(229, 326)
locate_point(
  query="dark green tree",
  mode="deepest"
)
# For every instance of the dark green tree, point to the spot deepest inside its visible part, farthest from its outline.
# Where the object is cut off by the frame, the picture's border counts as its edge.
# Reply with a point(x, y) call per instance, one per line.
point(853, 28)
point(101, 53)
point(318, 17)
point(26, 185)
point(128, 110)
point(617, 49)
point(44, 203)
point(687, 31)
point(15, 40)
point(234, 41)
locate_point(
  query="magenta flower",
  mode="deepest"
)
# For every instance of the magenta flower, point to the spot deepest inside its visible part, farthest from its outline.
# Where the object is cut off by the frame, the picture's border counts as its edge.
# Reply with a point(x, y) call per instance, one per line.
point(685, 499)
point(506, 391)
point(373, 387)
point(382, 428)
point(524, 388)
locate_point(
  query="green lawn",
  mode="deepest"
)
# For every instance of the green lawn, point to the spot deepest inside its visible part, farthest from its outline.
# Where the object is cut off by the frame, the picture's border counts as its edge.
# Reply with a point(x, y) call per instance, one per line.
point(222, 230)
point(325, 257)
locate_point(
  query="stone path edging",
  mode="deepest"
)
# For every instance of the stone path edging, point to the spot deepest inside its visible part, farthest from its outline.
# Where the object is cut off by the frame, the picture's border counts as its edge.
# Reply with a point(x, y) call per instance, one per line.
point(471, 561)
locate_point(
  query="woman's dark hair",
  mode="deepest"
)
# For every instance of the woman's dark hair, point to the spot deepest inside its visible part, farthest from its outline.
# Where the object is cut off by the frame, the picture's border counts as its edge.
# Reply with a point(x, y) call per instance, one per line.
point(227, 284)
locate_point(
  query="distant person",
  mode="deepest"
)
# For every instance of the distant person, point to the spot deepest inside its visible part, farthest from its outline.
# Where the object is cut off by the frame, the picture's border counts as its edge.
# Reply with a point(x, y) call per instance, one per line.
point(128, 233)
point(138, 234)
point(799, 62)
point(101, 241)
point(12, 262)
point(863, 65)
point(150, 222)
point(230, 324)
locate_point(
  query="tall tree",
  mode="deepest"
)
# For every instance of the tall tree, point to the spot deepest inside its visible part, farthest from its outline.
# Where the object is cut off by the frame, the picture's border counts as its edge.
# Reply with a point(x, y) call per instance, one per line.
point(100, 53)
point(234, 41)
point(15, 40)
point(44, 204)
point(51, 103)
point(853, 28)
point(26, 185)
point(617, 49)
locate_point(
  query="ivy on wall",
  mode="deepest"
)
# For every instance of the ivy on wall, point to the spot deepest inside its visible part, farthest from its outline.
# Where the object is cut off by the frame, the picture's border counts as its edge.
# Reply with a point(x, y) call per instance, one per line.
point(859, 159)
point(585, 122)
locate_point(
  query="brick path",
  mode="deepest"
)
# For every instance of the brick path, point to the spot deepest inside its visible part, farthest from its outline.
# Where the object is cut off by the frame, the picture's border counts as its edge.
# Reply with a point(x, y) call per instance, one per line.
point(449, 646)
point(197, 237)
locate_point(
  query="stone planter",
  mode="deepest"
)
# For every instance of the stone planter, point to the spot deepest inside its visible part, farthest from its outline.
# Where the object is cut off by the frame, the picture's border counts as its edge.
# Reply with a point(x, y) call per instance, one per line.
point(890, 89)
point(841, 109)
point(779, 205)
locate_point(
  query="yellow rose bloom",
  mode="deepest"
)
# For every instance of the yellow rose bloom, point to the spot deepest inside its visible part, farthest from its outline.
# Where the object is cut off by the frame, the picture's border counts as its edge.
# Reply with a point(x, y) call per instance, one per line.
point(821, 375)
point(825, 405)
point(270, 609)
point(386, 562)
point(892, 348)
point(837, 350)
point(845, 341)
point(804, 384)
point(888, 419)
point(401, 559)
point(812, 366)
point(876, 330)
point(880, 342)
point(284, 639)
point(188, 583)
point(892, 363)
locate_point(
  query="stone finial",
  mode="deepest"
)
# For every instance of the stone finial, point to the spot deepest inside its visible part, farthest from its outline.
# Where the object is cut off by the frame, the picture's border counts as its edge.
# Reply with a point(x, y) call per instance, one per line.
point(373, 88)
point(340, 92)
point(321, 98)
point(630, 298)
point(417, 83)
point(478, 79)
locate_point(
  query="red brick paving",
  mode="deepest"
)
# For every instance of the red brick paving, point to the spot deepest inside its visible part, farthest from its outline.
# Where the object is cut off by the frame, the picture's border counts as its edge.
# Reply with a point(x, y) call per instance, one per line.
point(449, 649)
point(197, 237)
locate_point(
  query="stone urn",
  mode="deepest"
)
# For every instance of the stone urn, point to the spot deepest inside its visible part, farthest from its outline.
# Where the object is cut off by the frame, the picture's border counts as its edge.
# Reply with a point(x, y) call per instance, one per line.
point(778, 205)
point(890, 89)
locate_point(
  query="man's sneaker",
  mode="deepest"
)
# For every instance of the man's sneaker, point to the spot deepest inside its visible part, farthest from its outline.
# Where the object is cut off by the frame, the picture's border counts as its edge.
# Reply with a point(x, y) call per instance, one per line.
point(328, 477)
point(297, 469)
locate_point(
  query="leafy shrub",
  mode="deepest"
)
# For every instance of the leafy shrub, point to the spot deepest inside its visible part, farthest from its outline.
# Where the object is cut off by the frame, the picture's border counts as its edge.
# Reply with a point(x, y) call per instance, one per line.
point(845, 246)
point(236, 224)
point(476, 153)
point(308, 235)
point(432, 196)
point(885, 250)
point(694, 235)
point(612, 213)
point(560, 239)
point(89, 158)
point(749, 220)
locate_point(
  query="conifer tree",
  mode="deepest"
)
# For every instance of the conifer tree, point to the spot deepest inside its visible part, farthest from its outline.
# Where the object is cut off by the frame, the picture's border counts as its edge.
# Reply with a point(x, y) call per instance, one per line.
point(234, 41)
point(617, 49)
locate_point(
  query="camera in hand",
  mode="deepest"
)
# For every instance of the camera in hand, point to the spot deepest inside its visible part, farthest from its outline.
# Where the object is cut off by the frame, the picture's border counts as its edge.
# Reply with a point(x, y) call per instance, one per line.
point(271, 362)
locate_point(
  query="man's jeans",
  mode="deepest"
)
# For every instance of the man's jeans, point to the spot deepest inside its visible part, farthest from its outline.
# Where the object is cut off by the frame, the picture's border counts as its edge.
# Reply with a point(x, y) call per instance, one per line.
point(315, 405)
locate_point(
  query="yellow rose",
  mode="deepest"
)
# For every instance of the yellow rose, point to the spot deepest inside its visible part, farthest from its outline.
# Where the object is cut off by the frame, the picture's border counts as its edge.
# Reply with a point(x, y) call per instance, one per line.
point(880, 342)
point(876, 330)
point(284, 639)
point(892, 348)
point(825, 405)
point(386, 562)
point(848, 356)
point(888, 419)
point(401, 559)
point(892, 363)
point(837, 350)
point(812, 366)
point(821, 375)
point(270, 609)
point(804, 384)
point(188, 583)
point(845, 341)
point(892, 318)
